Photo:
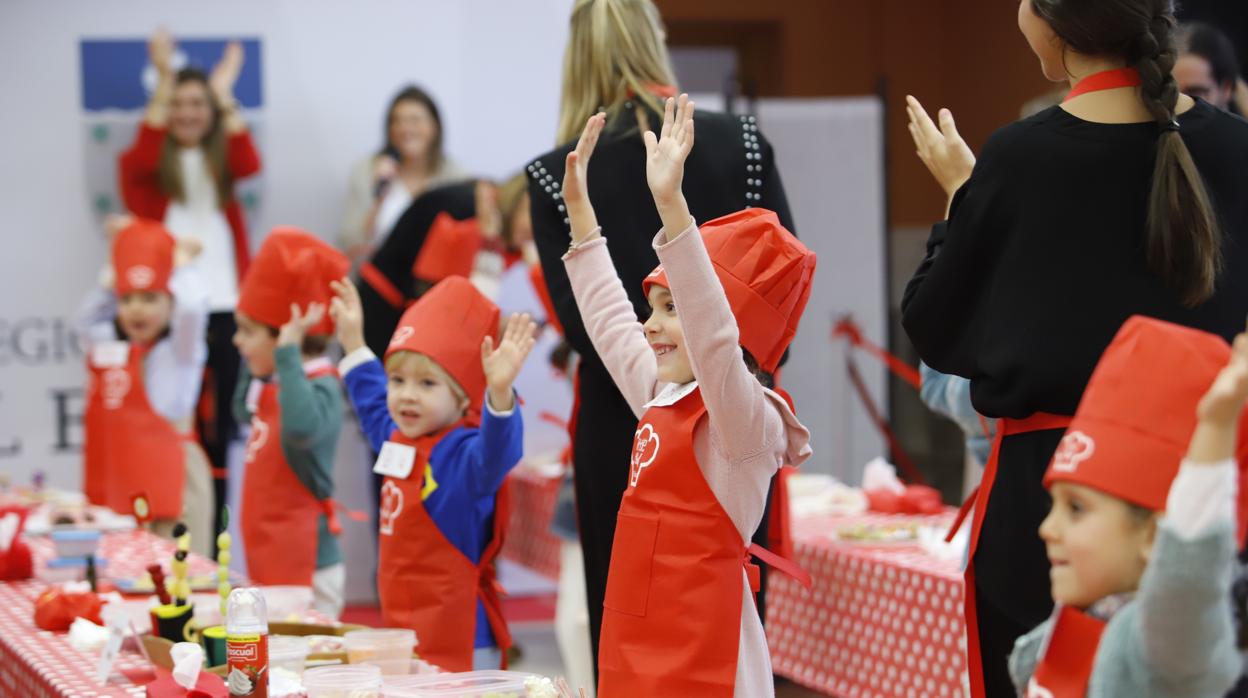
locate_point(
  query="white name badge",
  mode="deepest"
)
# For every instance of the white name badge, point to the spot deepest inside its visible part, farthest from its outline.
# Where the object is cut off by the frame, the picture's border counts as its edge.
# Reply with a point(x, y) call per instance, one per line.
point(395, 460)
point(110, 354)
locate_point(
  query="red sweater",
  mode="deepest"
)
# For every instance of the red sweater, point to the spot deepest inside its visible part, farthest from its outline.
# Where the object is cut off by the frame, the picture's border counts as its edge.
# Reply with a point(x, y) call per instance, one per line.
point(142, 195)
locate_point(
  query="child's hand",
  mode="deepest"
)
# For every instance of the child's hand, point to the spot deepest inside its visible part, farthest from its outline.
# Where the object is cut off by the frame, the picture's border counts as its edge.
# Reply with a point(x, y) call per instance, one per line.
point(575, 184)
point(293, 332)
point(1217, 415)
point(1225, 398)
point(665, 164)
point(348, 314)
point(186, 250)
point(502, 365)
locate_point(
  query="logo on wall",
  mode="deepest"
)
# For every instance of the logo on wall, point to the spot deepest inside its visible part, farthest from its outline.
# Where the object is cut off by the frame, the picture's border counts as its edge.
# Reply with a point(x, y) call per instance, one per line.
point(117, 82)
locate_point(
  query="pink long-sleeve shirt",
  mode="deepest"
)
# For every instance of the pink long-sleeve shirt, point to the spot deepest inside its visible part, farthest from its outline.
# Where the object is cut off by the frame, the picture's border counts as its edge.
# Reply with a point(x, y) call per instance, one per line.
point(749, 431)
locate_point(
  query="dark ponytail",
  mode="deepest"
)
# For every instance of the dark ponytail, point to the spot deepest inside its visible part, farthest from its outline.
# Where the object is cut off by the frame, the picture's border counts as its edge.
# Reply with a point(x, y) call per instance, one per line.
point(1183, 242)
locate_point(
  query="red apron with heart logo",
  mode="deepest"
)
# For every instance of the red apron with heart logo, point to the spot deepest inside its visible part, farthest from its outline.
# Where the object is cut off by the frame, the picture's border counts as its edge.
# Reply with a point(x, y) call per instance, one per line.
point(672, 614)
point(425, 582)
point(280, 516)
point(1069, 655)
point(129, 448)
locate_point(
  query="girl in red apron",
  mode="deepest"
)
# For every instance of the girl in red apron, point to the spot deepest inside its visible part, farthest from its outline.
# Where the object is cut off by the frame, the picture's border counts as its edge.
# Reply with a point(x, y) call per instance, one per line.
point(1123, 200)
point(145, 361)
point(1142, 538)
point(291, 395)
point(442, 415)
point(679, 617)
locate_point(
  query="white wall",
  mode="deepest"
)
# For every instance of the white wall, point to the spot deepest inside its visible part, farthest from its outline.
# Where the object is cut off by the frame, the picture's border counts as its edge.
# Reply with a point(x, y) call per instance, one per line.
point(329, 69)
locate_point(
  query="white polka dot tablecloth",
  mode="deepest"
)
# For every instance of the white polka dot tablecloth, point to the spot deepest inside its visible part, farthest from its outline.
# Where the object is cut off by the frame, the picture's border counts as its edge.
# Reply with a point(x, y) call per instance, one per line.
point(529, 540)
point(35, 663)
point(880, 621)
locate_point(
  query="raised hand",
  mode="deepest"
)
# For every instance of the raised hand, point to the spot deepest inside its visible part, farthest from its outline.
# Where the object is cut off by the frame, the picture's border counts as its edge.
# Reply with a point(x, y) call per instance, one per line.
point(946, 155)
point(665, 163)
point(225, 73)
point(575, 180)
point(502, 364)
point(160, 51)
point(1217, 415)
point(295, 329)
point(348, 314)
point(186, 250)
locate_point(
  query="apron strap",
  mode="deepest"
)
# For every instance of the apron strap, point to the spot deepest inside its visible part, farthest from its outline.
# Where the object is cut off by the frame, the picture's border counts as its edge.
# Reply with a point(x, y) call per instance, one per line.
point(785, 565)
point(331, 507)
point(378, 281)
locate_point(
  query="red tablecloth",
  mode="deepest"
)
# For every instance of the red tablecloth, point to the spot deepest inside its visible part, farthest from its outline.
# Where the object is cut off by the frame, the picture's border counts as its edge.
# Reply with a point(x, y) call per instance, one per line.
point(529, 540)
point(37, 664)
point(880, 621)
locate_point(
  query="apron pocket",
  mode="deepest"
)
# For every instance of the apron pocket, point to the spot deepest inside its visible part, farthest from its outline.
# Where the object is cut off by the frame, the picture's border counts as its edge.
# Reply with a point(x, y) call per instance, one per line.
point(632, 555)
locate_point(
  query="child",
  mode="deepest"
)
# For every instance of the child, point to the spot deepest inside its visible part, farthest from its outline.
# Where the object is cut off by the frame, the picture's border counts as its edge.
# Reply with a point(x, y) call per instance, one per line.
point(442, 508)
point(290, 394)
point(145, 337)
point(679, 619)
point(1142, 559)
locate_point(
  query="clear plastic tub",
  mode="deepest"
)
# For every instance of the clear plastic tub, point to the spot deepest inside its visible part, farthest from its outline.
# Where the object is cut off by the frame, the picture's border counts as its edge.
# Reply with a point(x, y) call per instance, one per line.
point(388, 648)
point(359, 681)
point(286, 602)
point(473, 684)
point(288, 652)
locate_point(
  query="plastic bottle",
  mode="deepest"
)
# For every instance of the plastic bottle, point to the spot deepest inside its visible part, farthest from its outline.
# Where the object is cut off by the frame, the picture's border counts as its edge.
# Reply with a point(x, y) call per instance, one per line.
point(247, 644)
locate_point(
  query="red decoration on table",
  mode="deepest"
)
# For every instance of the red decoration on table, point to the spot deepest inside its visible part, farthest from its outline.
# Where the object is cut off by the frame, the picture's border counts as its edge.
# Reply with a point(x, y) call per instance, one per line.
point(16, 562)
point(208, 686)
point(56, 609)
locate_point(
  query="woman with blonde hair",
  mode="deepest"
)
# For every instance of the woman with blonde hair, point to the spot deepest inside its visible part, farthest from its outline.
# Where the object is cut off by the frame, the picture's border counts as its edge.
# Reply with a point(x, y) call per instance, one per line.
point(616, 61)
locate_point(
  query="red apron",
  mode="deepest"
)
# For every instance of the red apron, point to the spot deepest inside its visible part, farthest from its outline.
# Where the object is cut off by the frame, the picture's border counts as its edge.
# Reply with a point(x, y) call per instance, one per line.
point(1040, 421)
point(425, 582)
point(1069, 654)
point(129, 448)
point(671, 623)
point(280, 516)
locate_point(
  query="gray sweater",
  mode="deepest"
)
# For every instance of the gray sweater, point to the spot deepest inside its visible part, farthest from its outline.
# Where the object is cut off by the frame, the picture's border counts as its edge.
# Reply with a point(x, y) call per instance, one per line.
point(1174, 639)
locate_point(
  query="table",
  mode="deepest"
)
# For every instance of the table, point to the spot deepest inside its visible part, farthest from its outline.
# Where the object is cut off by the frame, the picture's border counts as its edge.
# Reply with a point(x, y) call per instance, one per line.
point(880, 621)
point(529, 539)
point(39, 664)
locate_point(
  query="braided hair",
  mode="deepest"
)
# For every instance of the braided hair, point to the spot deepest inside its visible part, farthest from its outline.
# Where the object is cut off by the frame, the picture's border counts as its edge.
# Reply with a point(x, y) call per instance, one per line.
point(1183, 241)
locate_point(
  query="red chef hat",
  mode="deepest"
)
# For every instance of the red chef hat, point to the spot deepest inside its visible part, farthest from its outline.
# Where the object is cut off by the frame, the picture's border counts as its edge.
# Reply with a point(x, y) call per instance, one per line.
point(292, 266)
point(450, 249)
point(766, 274)
point(143, 257)
point(1137, 415)
point(448, 324)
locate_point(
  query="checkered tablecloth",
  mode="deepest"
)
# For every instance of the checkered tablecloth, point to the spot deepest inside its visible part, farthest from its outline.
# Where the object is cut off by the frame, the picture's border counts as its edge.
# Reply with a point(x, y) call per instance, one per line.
point(880, 621)
point(529, 540)
point(35, 663)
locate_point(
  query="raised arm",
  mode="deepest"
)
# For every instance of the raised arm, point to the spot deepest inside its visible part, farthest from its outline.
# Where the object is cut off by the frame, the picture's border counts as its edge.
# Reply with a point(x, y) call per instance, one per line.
point(735, 402)
point(605, 310)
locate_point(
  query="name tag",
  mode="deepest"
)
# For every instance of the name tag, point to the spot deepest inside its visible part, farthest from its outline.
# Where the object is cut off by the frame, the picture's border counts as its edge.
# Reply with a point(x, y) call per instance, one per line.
point(395, 460)
point(110, 354)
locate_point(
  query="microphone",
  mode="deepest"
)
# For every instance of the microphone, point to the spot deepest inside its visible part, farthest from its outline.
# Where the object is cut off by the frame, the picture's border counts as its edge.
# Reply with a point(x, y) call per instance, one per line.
point(383, 183)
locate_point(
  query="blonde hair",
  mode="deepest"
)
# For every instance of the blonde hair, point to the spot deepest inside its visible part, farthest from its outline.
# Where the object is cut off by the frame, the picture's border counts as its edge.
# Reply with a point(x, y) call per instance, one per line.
point(422, 363)
point(510, 194)
point(615, 49)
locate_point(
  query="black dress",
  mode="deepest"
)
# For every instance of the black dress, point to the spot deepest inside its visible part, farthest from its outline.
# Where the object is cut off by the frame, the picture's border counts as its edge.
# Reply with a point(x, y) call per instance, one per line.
point(1040, 263)
point(730, 168)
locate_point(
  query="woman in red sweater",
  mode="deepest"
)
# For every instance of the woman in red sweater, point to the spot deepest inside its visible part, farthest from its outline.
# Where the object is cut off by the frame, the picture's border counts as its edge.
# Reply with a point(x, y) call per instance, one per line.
point(190, 149)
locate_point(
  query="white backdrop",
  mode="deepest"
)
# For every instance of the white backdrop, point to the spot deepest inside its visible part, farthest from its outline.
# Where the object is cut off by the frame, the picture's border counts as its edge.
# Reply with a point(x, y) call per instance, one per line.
point(328, 71)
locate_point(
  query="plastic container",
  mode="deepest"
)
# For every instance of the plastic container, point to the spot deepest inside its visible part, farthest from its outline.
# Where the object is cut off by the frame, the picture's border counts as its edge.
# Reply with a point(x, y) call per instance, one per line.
point(387, 648)
point(283, 602)
point(75, 543)
point(354, 681)
point(289, 652)
point(247, 643)
point(473, 684)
